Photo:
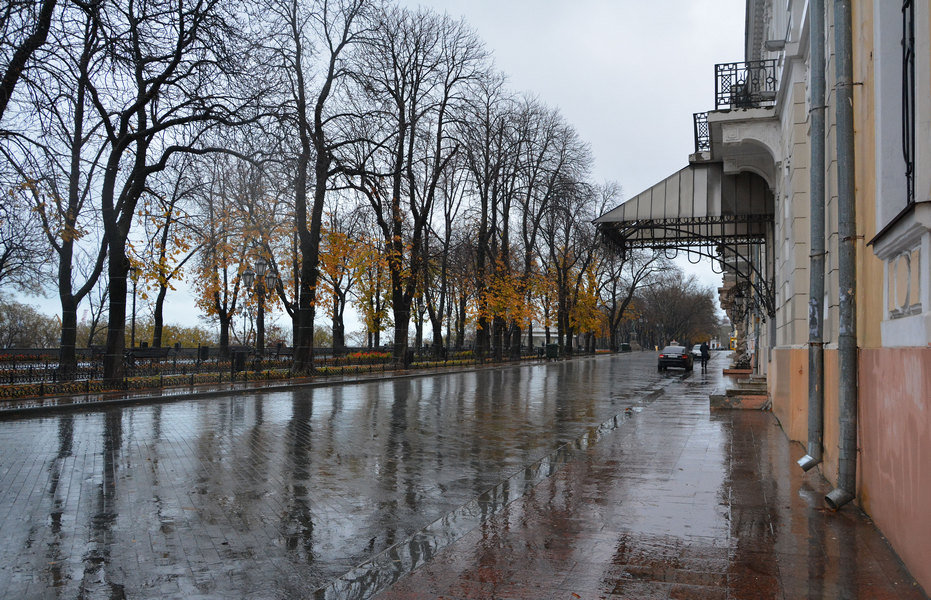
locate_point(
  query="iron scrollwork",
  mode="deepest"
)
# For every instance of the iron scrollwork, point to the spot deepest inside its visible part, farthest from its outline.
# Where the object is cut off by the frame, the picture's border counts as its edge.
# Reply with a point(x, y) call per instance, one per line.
point(702, 133)
point(745, 84)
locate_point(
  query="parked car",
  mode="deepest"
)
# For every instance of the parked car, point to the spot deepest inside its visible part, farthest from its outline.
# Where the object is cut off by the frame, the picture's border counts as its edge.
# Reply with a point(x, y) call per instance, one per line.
point(696, 351)
point(625, 347)
point(674, 356)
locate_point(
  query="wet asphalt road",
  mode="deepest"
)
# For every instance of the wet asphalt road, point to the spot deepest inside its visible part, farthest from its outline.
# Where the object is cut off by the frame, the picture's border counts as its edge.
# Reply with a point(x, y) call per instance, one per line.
point(278, 495)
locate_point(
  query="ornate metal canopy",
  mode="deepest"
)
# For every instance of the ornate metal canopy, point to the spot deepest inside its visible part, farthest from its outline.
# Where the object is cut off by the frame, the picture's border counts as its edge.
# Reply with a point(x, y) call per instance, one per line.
point(704, 213)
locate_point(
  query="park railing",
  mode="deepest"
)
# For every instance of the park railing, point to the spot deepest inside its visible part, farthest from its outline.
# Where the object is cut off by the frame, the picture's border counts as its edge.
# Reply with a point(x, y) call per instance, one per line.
point(36, 372)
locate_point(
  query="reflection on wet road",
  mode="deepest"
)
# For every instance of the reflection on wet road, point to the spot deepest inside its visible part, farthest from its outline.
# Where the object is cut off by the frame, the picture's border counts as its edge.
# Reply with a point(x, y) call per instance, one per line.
point(280, 494)
point(676, 503)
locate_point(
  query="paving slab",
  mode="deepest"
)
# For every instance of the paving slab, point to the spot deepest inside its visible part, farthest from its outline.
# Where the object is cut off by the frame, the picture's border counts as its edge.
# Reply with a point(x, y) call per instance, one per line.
point(589, 478)
point(680, 502)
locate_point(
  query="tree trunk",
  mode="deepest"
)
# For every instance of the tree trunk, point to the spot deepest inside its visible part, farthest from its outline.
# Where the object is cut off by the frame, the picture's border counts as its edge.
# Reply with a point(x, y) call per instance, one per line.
point(118, 267)
point(436, 324)
point(482, 338)
point(498, 334)
point(460, 323)
point(304, 334)
point(402, 318)
point(515, 341)
point(339, 329)
point(67, 355)
point(449, 323)
point(159, 317)
point(225, 335)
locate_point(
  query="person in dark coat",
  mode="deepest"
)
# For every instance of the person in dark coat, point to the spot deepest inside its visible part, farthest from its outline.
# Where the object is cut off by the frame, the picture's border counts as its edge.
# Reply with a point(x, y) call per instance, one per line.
point(705, 355)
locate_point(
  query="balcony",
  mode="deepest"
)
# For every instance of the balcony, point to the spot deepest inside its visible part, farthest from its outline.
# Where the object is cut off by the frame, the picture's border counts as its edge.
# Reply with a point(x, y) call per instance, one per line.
point(702, 133)
point(745, 84)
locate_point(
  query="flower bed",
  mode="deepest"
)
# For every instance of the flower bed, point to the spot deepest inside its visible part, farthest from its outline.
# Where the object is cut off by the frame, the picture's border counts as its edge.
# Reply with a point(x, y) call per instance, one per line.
point(29, 390)
point(365, 358)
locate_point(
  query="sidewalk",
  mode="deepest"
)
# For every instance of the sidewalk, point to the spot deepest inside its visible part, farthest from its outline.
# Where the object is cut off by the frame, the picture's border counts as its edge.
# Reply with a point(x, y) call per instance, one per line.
point(676, 503)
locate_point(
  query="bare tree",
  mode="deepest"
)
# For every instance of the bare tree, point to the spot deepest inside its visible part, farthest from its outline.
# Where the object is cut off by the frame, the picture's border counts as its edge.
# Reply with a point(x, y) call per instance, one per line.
point(24, 253)
point(92, 317)
point(485, 143)
point(451, 191)
point(570, 243)
point(341, 262)
point(170, 75)
point(56, 153)
point(222, 238)
point(551, 154)
point(678, 308)
point(328, 28)
point(170, 242)
point(461, 277)
point(23, 326)
point(24, 28)
point(622, 278)
point(414, 71)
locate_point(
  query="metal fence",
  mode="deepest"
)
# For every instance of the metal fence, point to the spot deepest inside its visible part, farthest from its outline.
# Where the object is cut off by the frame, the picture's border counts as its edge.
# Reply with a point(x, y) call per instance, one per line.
point(40, 366)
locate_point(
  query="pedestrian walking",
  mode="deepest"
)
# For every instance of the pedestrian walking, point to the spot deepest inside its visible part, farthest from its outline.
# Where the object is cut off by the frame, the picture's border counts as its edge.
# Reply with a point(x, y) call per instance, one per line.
point(705, 355)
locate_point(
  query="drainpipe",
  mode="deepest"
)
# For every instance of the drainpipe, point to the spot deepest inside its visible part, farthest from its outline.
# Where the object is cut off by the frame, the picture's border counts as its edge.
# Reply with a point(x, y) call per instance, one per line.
point(816, 268)
point(846, 263)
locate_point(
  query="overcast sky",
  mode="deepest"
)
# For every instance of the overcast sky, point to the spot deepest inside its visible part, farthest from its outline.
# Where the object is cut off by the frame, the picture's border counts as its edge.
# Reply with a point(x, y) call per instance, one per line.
point(627, 74)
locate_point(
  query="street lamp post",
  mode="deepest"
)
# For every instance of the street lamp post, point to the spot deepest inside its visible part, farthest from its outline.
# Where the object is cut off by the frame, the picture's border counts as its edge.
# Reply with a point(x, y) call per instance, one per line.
point(264, 279)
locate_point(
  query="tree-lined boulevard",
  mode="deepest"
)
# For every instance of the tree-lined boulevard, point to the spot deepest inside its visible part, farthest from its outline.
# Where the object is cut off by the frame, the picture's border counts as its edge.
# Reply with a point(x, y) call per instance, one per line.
point(371, 156)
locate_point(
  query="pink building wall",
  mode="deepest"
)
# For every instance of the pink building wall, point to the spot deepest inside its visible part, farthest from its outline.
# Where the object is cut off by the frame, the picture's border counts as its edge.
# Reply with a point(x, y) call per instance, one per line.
point(895, 450)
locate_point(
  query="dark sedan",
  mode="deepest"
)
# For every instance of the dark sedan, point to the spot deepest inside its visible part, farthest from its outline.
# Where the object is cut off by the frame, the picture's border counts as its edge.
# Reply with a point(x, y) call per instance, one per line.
point(674, 356)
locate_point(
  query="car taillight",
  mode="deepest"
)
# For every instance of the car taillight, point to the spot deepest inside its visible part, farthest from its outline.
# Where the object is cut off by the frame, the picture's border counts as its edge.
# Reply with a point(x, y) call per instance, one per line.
point(685, 356)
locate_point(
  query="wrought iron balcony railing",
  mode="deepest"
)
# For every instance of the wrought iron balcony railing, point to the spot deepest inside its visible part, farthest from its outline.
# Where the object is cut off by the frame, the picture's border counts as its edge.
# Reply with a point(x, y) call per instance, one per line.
point(745, 84)
point(702, 133)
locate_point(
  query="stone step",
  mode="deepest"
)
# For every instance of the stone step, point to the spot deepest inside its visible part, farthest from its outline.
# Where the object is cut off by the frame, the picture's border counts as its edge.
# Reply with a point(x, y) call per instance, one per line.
point(754, 389)
point(739, 402)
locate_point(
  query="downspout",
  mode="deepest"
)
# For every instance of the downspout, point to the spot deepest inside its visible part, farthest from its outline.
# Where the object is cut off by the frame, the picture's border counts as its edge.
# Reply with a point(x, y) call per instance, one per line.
point(847, 254)
point(816, 257)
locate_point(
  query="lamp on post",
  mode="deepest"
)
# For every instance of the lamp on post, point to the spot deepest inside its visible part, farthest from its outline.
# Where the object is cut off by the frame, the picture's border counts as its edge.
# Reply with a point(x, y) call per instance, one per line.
point(264, 279)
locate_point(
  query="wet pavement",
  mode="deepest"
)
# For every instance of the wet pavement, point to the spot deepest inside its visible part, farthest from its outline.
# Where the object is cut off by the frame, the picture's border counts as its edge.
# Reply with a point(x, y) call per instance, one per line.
point(592, 478)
